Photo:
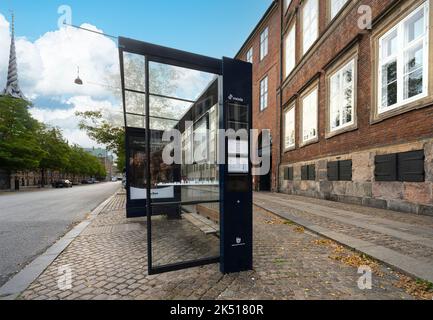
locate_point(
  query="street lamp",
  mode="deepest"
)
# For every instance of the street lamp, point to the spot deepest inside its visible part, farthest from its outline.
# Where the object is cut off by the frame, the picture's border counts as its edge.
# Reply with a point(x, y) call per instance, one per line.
point(78, 81)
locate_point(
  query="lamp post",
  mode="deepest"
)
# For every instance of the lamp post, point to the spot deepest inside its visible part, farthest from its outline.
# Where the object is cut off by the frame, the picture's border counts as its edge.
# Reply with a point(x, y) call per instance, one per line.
point(78, 80)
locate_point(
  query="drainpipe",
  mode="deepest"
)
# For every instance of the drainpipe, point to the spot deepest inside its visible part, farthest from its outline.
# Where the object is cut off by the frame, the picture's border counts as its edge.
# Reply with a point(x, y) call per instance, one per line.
point(279, 118)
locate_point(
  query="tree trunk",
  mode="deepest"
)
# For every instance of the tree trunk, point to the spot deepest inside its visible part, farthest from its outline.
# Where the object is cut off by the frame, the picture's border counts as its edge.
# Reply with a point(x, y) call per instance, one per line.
point(43, 178)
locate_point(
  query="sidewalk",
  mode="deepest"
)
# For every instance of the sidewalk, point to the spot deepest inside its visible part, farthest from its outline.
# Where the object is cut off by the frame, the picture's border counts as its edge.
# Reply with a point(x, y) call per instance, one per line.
point(402, 240)
point(108, 261)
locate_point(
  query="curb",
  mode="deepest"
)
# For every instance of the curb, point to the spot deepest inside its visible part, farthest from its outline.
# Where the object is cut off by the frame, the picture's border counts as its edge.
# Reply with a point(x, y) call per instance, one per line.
point(12, 289)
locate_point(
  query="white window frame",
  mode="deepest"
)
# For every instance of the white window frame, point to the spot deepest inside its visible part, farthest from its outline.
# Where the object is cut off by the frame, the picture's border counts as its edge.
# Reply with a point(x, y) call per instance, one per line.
point(335, 7)
point(250, 55)
point(290, 50)
point(290, 128)
point(310, 24)
point(264, 42)
point(340, 96)
point(400, 57)
point(286, 5)
point(264, 85)
point(313, 106)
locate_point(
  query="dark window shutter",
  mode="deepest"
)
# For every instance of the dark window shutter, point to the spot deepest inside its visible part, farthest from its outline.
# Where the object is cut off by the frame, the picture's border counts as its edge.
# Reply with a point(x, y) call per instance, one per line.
point(291, 173)
point(345, 170)
point(286, 174)
point(304, 173)
point(386, 167)
point(333, 171)
point(411, 166)
point(312, 172)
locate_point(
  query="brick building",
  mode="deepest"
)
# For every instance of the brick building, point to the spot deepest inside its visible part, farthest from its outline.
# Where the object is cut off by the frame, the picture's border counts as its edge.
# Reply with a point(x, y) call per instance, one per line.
point(262, 49)
point(355, 114)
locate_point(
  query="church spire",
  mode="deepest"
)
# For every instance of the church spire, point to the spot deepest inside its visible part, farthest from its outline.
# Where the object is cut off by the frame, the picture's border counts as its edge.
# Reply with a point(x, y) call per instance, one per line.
point(12, 87)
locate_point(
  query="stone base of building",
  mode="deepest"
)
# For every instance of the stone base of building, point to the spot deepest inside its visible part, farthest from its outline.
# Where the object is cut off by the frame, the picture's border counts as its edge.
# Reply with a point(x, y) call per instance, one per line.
point(411, 197)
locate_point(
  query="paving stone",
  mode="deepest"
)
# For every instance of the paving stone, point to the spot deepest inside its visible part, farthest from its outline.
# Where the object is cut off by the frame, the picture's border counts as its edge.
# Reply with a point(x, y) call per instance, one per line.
point(287, 265)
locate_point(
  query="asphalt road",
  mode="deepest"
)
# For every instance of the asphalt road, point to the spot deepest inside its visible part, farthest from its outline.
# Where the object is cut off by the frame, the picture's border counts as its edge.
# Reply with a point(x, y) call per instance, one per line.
point(30, 222)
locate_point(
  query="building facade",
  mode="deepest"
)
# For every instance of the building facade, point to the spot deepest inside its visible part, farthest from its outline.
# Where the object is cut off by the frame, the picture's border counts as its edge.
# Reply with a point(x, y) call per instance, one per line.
point(262, 49)
point(356, 103)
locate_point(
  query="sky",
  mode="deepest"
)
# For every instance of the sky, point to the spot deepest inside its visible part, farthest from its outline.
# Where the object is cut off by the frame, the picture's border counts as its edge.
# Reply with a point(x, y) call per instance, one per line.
point(48, 57)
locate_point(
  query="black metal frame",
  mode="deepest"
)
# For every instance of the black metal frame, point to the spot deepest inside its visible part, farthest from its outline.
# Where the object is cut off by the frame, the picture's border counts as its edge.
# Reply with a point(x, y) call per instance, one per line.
point(173, 57)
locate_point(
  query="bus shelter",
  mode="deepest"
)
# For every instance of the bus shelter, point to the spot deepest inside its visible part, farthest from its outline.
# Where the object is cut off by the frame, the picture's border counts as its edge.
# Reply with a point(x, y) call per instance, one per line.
point(186, 107)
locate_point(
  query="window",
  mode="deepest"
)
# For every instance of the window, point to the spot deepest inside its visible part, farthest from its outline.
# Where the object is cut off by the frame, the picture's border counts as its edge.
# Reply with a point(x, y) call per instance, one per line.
point(336, 6)
point(404, 167)
point(290, 51)
point(264, 94)
point(308, 172)
point(403, 61)
point(342, 97)
point(287, 4)
point(289, 128)
point(264, 37)
point(288, 174)
point(340, 171)
point(309, 116)
point(310, 24)
point(250, 55)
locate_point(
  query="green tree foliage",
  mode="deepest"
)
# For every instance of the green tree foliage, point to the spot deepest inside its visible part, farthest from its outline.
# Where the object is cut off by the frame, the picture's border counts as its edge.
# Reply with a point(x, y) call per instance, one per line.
point(105, 133)
point(19, 144)
point(57, 150)
point(26, 144)
point(83, 163)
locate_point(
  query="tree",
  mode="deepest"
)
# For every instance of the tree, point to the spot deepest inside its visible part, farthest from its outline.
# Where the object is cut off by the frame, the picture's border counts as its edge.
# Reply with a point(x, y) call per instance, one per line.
point(19, 146)
point(56, 151)
point(103, 132)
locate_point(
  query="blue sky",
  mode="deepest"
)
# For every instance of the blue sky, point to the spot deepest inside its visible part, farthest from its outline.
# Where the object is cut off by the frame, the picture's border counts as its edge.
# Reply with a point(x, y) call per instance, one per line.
point(210, 27)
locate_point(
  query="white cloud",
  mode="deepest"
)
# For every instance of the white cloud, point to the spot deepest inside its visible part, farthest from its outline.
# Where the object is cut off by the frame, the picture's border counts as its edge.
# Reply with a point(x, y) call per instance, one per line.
point(47, 69)
point(68, 122)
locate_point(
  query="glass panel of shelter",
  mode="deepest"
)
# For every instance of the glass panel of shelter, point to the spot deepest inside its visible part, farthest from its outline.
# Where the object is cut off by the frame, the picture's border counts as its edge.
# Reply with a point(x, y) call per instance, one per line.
point(185, 196)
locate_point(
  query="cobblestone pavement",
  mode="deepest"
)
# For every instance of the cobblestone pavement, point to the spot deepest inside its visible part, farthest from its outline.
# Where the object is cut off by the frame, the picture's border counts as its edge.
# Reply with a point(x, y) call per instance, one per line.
point(408, 235)
point(108, 261)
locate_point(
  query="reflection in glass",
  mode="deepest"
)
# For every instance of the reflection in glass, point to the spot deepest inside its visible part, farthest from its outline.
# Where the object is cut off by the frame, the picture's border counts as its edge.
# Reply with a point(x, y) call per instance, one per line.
point(415, 26)
point(133, 65)
point(192, 187)
point(177, 82)
point(135, 121)
point(135, 102)
point(389, 83)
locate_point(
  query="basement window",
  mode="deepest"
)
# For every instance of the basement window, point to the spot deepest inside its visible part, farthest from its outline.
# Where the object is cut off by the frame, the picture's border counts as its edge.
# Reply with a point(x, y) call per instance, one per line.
point(308, 173)
point(288, 174)
point(403, 167)
point(340, 170)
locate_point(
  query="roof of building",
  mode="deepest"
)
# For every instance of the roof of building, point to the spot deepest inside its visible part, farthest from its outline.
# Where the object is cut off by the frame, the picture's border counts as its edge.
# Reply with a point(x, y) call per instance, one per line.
point(264, 17)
